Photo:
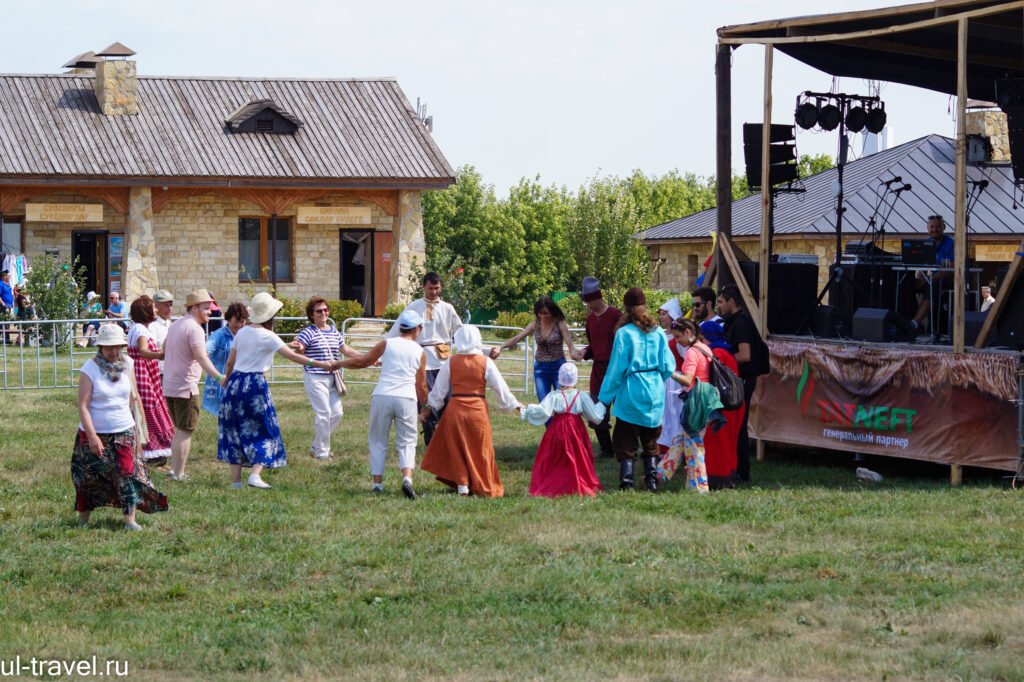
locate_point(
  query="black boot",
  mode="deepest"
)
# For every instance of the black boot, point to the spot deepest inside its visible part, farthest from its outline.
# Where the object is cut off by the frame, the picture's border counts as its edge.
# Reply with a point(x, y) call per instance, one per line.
point(651, 473)
point(626, 474)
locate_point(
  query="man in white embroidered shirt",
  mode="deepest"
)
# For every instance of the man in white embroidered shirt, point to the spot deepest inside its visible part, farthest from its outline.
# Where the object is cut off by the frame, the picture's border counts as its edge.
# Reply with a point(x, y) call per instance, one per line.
point(440, 322)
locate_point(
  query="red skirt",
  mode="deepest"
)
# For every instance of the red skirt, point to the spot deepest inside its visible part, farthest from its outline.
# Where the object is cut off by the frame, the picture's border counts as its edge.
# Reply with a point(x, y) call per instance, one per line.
point(565, 460)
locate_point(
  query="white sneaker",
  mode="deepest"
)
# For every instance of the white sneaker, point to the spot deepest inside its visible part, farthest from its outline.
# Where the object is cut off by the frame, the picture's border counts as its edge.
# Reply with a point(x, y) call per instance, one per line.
point(256, 482)
point(322, 457)
point(463, 489)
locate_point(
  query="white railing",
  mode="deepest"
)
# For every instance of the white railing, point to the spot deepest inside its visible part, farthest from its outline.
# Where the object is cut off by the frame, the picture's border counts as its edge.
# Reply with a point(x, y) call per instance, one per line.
point(42, 354)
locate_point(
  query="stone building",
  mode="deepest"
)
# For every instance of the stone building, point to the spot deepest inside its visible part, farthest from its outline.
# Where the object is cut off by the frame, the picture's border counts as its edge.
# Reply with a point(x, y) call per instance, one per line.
point(805, 223)
point(177, 182)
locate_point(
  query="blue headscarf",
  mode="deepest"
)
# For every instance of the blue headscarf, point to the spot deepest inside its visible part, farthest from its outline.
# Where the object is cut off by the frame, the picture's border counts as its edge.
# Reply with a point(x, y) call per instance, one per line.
point(714, 334)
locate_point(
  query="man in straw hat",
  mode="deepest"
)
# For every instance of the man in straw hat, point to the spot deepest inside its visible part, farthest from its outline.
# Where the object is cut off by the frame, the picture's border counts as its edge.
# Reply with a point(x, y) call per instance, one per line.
point(184, 356)
point(601, 324)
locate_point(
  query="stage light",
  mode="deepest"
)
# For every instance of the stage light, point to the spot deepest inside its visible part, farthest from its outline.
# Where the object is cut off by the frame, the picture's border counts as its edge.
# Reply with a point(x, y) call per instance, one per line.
point(856, 117)
point(876, 119)
point(829, 117)
point(806, 115)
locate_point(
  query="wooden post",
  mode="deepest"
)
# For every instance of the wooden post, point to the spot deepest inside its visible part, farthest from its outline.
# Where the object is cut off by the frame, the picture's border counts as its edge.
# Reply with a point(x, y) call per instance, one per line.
point(723, 142)
point(749, 302)
point(760, 449)
point(960, 227)
point(766, 189)
point(956, 474)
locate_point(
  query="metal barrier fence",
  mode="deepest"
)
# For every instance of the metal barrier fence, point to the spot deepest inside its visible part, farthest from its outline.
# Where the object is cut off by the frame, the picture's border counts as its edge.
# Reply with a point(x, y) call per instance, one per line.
point(42, 354)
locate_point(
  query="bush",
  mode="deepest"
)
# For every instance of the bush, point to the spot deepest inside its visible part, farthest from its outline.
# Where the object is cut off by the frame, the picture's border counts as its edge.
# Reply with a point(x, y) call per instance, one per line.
point(507, 319)
point(393, 310)
point(575, 310)
point(55, 289)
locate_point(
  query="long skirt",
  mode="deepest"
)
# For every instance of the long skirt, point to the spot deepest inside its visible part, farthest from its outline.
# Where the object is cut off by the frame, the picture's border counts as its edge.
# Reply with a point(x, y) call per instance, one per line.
point(158, 419)
point(688, 450)
point(462, 451)
point(115, 478)
point(565, 460)
point(247, 430)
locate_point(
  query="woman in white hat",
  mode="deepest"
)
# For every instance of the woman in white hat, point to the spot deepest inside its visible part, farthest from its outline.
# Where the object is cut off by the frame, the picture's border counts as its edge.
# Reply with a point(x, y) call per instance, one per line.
point(403, 381)
point(247, 431)
point(105, 466)
point(461, 453)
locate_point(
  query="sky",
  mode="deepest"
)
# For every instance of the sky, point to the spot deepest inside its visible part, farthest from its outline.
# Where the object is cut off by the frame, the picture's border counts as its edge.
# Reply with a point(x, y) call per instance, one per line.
point(564, 89)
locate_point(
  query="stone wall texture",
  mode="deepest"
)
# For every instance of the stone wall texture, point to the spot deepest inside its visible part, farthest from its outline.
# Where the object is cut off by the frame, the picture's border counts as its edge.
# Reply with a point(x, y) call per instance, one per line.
point(116, 85)
point(140, 271)
point(993, 125)
point(409, 245)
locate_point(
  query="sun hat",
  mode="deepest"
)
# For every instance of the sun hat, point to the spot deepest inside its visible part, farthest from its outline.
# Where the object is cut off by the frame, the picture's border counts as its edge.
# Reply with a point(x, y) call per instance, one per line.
point(91, 295)
point(409, 319)
point(568, 375)
point(111, 335)
point(591, 289)
point(635, 296)
point(197, 297)
point(468, 340)
point(162, 296)
point(264, 307)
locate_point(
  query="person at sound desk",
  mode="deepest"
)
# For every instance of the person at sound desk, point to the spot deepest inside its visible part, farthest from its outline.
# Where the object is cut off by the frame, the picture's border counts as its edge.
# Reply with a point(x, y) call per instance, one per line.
point(929, 284)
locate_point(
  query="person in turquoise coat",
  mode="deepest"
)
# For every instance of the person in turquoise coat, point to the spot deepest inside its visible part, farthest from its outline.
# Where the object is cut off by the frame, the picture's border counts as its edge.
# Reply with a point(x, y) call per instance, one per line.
point(634, 386)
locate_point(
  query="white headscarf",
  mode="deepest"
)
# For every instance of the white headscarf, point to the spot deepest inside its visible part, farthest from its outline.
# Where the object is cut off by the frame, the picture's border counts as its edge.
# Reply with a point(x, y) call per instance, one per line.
point(568, 375)
point(468, 341)
point(672, 307)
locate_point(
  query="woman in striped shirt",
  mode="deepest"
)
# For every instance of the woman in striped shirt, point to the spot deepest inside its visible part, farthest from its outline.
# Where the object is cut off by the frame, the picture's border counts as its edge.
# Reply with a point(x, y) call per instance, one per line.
point(321, 340)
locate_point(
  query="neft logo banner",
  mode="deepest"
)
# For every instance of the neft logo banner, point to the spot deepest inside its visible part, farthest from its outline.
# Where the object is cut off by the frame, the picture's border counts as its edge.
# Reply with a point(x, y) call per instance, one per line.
point(931, 405)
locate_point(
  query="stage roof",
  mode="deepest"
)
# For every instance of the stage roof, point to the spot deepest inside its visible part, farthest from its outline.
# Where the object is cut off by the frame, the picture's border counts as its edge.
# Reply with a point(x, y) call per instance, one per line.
point(928, 164)
point(911, 44)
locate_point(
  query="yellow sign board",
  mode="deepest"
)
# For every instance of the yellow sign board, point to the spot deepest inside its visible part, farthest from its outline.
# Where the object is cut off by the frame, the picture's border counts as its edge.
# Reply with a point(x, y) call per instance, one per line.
point(64, 213)
point(334, 215)
point(998, 253)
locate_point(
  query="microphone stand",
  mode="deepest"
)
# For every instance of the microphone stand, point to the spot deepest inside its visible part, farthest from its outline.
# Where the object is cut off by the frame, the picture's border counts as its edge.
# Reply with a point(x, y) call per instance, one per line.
point(974, 192)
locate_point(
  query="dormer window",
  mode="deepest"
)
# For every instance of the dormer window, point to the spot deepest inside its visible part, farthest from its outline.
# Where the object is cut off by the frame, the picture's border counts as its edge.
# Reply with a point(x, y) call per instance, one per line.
point(262, 116)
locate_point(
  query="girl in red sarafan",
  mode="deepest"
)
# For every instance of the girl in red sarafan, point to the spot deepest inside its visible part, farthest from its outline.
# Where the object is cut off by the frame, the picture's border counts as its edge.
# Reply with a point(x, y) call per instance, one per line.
point(565, 460)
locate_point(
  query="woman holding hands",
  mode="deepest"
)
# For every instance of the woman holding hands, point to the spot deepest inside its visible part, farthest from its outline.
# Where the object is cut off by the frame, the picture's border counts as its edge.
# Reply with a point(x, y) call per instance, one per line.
point(550, 332)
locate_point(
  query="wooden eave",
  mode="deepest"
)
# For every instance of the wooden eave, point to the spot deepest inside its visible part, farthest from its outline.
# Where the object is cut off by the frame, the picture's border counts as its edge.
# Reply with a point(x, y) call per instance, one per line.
point(228, 182)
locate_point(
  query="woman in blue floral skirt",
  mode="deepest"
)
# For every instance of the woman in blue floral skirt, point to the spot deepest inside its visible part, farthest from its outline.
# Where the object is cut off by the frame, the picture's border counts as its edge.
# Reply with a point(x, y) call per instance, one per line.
point(247, 431)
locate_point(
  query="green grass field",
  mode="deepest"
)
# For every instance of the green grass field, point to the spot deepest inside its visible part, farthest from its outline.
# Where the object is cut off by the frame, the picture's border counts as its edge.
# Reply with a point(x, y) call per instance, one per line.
point(807, 575)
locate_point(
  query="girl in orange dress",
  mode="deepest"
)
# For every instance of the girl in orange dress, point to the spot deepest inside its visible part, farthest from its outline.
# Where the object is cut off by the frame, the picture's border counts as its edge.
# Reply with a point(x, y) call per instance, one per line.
point(461, 453)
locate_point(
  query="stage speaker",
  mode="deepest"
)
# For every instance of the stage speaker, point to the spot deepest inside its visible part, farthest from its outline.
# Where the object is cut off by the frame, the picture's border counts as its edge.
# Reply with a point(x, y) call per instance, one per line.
point(792, 292)
point(880, 325)
point(831, 322)
point(973, 322)
point(1010, 327)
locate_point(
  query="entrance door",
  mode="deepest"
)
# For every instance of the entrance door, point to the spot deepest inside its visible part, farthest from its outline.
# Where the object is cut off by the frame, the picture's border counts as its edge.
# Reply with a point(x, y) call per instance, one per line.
point(356, 269)
point(90, 248)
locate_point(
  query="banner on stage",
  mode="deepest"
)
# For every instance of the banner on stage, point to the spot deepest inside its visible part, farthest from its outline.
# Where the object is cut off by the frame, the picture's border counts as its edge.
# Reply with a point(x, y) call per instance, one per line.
point(929, 405)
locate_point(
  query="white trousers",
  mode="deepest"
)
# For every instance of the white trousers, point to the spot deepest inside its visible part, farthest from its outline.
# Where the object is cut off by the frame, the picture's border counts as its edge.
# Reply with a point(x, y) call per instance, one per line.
point(326, 402)
point(385, 409)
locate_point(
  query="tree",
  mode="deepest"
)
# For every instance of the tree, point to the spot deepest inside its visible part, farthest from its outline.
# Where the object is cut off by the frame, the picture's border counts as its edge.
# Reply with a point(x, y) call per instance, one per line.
point(55, 289)
point(809, 165)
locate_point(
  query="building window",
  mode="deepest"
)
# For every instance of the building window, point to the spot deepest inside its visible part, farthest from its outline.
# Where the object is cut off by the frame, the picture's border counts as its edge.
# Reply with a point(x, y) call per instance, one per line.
point(255, 251)
point(12, 236)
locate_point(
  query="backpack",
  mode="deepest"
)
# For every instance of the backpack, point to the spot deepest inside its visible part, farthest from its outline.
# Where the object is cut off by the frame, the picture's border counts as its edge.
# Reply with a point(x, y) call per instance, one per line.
point(728, 383)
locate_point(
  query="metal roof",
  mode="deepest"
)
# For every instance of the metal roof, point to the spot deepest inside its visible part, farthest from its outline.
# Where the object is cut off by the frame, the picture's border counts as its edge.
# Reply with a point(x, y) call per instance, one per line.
point(359, 130)
point(927, 164)
point(914, 44)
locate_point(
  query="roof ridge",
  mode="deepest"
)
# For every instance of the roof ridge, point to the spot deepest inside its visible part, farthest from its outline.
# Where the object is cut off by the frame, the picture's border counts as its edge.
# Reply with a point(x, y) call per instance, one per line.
point(261, 79)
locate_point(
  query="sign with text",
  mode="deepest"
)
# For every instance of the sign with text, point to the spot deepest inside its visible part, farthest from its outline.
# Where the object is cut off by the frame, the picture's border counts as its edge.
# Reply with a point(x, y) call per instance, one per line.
point(997, 253)
point(64, 213)
point(930, 405)
point(334, 215)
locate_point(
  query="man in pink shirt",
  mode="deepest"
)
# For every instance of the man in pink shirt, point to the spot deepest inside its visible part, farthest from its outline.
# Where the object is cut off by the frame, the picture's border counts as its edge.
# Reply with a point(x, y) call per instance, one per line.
point(184, 356)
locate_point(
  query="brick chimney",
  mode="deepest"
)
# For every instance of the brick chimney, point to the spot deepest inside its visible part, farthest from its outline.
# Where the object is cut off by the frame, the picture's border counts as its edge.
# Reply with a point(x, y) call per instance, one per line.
point(991, 123)
point(116, 82)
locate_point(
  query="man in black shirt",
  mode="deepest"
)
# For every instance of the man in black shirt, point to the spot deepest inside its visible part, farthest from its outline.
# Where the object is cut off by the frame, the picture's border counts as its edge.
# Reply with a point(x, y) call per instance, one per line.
point(745, 341)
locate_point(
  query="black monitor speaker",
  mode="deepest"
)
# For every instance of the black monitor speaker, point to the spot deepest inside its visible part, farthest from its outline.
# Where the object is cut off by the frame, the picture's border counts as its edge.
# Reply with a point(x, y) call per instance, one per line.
point(1010, 326)
point(973, 322)
point(881, 325)
point(792, 292)
point(831, 322)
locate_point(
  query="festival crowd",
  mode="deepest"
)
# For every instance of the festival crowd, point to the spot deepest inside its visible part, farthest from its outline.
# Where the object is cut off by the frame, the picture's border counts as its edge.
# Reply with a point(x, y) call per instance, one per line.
point(678, 386)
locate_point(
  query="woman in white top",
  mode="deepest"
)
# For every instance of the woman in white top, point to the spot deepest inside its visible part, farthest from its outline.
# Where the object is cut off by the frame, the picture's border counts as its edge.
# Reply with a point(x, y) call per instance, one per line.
point(403, 381)
point(247, 431)
point(105, 466)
